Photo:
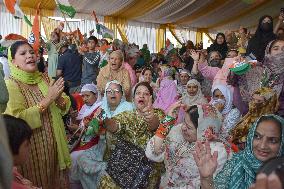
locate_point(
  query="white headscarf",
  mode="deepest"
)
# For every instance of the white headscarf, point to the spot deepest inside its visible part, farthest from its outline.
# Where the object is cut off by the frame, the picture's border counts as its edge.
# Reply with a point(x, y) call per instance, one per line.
point(184, 71)
point(123, 105)
point(88, 110)
point(228, 97)
point(198, 98)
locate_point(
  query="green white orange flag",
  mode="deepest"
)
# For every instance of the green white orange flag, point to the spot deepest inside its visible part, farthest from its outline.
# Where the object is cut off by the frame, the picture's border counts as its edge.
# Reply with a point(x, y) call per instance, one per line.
point(66, 8)
point(102, 30)
point(34, 38)
point(15, 10)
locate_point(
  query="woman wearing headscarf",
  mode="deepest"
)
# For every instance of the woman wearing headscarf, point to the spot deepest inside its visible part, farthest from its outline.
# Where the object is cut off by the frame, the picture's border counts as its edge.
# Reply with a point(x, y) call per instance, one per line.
point(264, 101)
point(167, 93)
point(273, 62)
point(222, 99)
point(219, 45)
point(184, 77)
point(53, 47)
point(115, 70)
point(265, 141)
point(269, 74)
point(91, 163)
point(263, 35)
point(193, 95)
point(135, 127)
point(88, 141)
point(174, 144)
point(41, 103)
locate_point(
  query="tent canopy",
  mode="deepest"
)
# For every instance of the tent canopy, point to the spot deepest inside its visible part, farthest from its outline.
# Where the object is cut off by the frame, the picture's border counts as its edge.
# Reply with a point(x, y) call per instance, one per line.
point(213, 15)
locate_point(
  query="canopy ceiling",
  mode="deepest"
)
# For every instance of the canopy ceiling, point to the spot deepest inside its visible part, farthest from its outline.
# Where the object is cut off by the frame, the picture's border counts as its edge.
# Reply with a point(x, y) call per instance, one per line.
point(205, 14)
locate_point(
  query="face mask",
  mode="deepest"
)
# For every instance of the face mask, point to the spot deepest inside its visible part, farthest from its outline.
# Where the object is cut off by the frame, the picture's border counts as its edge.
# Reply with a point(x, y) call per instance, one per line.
point(215, 63)
point(266, 26)
point(218, 101)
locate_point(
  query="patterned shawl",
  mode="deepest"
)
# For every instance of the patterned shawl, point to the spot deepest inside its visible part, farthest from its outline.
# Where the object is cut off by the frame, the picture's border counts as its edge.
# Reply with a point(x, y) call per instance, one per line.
point(274, 68)
point(240, 171)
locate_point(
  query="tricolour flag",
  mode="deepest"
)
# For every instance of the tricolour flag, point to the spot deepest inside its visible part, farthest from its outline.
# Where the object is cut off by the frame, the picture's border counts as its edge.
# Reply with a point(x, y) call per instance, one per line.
point(169, 47)
point(15, 10)
point(66, 8)
point(102, 30)
point(34, 38)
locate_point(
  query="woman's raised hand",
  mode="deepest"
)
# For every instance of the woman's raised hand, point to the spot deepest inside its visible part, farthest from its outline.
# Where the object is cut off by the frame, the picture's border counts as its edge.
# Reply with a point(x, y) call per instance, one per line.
point(195, 55)
point(174, 107)
point(206, 163)
point(267, 182)
point(148, 111)
point(55, 89)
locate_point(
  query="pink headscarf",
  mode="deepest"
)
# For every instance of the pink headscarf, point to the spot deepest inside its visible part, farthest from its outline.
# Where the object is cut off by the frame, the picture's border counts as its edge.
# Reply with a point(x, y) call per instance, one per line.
point(167, 94)
point(131, 73)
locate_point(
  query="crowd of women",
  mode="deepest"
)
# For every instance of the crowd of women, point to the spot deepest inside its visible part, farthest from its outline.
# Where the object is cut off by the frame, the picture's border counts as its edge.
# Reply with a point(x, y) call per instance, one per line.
point(184, 118)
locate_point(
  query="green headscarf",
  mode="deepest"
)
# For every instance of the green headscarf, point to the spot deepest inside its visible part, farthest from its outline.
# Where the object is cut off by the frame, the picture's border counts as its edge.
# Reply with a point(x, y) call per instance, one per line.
point(240, 171)
point(57, 122)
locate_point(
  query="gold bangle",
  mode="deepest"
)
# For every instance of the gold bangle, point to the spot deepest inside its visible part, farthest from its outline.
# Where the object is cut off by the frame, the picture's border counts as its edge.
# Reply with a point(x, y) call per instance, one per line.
point(40, 107)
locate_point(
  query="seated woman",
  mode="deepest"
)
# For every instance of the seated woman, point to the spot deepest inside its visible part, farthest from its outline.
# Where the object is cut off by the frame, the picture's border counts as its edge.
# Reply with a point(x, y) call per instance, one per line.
point(264, 141)
point(135, 127)
point(222, 99)
point(115, 71)
point(87, 140)
point(264, 101)
point(90, 164)
point(193, 95)
point(174, 145)
point(19, 134)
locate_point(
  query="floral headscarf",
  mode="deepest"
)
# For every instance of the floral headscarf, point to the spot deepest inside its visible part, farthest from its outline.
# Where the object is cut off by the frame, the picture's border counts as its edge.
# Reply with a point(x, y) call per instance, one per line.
point(240, 171)
point(209, 122)
point(270, 106)
point(274, 64)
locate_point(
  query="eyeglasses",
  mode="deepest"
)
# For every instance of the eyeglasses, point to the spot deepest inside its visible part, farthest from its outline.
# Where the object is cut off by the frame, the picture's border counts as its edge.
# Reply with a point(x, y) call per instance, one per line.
point(112, 91)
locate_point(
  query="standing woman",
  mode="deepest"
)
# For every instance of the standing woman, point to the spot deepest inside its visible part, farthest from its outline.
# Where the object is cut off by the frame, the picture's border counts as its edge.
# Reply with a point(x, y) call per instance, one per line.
point(41, 104)
point(53, 47)
point(219, 45)
point(263, 35)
